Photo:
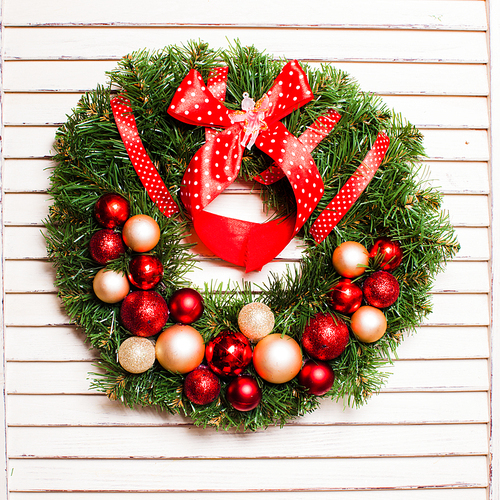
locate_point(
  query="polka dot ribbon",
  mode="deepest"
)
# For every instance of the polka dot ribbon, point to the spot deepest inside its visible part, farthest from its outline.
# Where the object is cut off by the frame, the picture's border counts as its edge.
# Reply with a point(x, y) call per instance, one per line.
point(351, 190)
point(144, 167)
point(215, 166)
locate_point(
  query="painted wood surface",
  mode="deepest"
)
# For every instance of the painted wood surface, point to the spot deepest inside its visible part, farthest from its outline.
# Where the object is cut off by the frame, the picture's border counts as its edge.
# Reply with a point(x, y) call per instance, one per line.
point(426, 436)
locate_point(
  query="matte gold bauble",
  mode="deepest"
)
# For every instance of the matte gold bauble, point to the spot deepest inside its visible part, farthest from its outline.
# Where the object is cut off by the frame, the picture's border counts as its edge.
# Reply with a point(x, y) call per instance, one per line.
point(277, 358)
point(350, 259)
point(141, 233)
point(136, 354)
point(256, 321)
point(368, 324)
point(180, 348)
point(110, 286)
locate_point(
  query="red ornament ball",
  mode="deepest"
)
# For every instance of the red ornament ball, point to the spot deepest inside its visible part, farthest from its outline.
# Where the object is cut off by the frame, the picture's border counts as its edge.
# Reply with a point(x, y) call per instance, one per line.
point(317, 377)
point(145, 271)
point(391, 252)
point(144, 313)
point(111, 210)
point(201, 386)
point(186, 306)
point(325, 337)
point(228, 354)
point(106, 245)
point(243, 393)
point(345, 296)
point(381, 289)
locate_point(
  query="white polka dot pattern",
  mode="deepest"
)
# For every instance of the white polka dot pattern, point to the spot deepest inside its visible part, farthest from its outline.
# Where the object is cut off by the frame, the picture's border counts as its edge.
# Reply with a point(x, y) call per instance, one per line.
point(351, 190)
point(217, 84)
point(144, 167)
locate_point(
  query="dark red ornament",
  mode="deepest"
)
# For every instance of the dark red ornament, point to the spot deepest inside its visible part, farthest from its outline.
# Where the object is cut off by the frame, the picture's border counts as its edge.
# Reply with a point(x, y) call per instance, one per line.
point(111, 210)
point(144, 313)
point(228, 354)
point(317, 377)
point(325, 337)
point(391, 252)
point(201, 386)
point(145, 271)
point(381, 289)
point(244, 393)
point(106, 245)
point(345, 296)
point(186, 306)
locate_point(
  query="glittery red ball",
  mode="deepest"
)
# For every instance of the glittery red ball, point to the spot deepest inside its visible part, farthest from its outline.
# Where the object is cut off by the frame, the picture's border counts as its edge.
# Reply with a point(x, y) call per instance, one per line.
point(243, 393)
point(391, 252)
point(201, 386)
point(145, 271)
point(106, 245)
point(186, 306)
point(144, 313)
point(317, 377)
point(229, 353)
point(111, 210)
point(381, 289)
point(345, 296)
point(325, 337)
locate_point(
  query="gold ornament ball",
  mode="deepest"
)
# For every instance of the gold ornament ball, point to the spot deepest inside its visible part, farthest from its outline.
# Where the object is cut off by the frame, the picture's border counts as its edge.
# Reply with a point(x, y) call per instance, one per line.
point(110, 286)
point(350, 259)
point(256, 321)
point(136, 354)
point(180, 349)
point(277, 358)
point(368, 324)
point(141, 233)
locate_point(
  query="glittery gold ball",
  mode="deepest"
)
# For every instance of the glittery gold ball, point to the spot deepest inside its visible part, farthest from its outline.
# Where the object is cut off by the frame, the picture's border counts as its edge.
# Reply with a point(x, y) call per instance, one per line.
point(136, 354)
point(256, 321)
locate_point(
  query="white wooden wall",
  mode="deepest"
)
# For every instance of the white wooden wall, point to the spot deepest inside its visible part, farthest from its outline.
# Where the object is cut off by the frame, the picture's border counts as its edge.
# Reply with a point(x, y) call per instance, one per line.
point(426, 436)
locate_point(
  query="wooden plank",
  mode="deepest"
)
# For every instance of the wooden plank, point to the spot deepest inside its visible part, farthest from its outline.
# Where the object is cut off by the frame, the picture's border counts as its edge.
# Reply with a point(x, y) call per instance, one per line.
point(387, 14)
point(289, 442)
point(314, 45)
point(459, 310)
point(290, 475)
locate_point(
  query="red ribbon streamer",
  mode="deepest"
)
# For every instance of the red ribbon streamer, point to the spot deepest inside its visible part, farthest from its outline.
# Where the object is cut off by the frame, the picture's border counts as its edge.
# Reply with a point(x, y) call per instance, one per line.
point(351, 190)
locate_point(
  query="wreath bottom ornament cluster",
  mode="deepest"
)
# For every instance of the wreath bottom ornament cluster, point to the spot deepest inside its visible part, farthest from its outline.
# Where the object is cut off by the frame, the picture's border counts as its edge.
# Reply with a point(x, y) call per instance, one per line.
point(227, 356)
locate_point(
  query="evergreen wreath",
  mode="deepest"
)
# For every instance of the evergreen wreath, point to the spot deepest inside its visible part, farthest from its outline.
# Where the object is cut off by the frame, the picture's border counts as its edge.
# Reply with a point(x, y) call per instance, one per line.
point(91, 160)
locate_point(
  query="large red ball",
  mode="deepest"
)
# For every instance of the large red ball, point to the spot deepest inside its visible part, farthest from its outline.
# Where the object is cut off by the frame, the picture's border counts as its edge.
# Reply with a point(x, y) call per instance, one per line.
point(201, 386)
point(391, 253)
point(111, 210)
point(381, 289)
point(186, 306)
point(145, 271)
point(317, 377)
point(228, 354)
point(106, 245)
point(144, 313)
point(243, 393)
point(325, 337)
point(345, 296)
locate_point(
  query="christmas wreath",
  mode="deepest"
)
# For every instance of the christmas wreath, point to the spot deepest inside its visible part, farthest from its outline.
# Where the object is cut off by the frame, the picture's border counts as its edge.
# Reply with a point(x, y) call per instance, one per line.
point(137, 162)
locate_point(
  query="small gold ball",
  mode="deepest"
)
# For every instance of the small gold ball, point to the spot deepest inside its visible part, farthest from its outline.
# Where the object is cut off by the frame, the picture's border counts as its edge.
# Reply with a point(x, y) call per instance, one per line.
point(350, 259)
point(256, 321)
point(110, 286)
point(136, 354)
point(368, 324)
point(141, 233)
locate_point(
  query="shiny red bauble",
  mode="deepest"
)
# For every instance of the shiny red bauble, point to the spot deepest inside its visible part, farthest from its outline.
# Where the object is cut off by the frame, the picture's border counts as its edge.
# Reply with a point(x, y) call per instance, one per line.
point(317, 377)
point(391, 253)
point(345, 296)
point(325, 337)
point(381, 289)
point(228, 354)
point(145, 271)
point(243, 393)
point(186, 306)
point(201, 386)
point(111, 210)
point(106, 245)
point(144, 313)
